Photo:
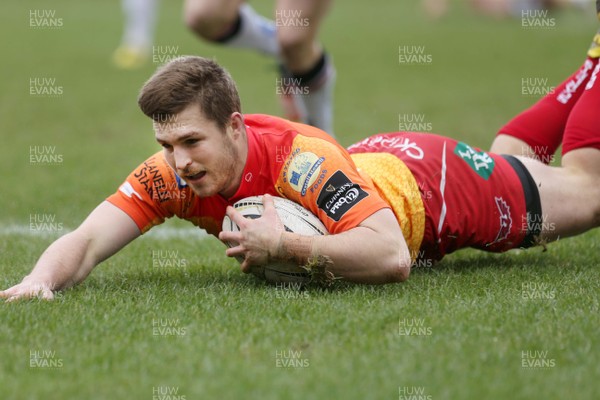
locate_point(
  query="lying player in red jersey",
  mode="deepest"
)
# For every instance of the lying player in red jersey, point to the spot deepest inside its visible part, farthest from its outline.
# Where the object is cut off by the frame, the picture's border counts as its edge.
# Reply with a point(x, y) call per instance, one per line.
point(387, 201)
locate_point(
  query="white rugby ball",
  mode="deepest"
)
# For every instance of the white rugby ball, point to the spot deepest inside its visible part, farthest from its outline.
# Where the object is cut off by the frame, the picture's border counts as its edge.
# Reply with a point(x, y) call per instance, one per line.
point(295, 218)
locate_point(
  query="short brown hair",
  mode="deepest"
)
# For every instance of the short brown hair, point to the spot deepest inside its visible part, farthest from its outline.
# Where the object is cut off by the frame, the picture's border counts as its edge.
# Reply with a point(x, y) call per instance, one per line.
point(187, 80)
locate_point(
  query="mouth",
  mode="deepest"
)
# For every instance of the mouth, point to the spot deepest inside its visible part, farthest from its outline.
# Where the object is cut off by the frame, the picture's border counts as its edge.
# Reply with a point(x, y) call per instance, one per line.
point(193, 179)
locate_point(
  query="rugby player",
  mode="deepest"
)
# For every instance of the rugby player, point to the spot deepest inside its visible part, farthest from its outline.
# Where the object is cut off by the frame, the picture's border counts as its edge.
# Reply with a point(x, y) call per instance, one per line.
point(387, 201)
point(305, 87)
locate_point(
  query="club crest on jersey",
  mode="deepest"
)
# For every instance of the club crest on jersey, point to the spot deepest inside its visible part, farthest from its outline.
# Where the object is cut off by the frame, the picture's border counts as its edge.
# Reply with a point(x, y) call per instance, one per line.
point(339, 195)
point(479, 161)
point(304, 170)
point(505, 219)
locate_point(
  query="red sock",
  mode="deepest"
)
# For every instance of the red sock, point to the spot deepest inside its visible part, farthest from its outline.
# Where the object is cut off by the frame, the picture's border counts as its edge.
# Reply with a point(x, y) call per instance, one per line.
point(543, 124)
point(583, 125)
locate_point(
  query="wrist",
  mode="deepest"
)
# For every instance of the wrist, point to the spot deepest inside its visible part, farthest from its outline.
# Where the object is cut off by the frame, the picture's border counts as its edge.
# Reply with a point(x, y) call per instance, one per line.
point(294, 248)
point(41, 281)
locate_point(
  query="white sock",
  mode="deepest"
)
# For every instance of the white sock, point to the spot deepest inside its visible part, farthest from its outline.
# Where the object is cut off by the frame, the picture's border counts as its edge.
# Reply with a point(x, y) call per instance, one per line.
point(140, 20)
point(256, 32)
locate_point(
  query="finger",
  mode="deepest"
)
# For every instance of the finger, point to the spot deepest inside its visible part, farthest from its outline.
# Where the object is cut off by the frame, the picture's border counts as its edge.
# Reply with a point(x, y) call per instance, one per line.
point(230, 236)
point(235, 251)
point(18, 297)
point(5, 294)
point(43, 293)
point(269, 205)
point(236, 217)
point(12, 299)
point(245, 266)
point(46, 294)
point(268, 201)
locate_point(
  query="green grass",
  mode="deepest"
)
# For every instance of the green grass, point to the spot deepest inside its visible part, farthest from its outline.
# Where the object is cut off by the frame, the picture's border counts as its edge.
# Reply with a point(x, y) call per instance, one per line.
point(229, 327)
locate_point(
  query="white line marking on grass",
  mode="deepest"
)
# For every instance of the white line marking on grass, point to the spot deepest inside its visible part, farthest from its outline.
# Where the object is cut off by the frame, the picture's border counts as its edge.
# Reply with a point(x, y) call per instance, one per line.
point(164, 232)
point(168, 232)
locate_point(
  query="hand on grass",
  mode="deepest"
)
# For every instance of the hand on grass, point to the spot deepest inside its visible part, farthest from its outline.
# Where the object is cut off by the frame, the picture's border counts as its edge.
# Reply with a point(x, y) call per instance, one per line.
point(27, 290)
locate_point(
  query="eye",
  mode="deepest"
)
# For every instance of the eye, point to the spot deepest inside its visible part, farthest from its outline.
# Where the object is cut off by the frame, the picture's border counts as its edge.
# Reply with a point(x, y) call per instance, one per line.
point(191, 142)
point(167, 146)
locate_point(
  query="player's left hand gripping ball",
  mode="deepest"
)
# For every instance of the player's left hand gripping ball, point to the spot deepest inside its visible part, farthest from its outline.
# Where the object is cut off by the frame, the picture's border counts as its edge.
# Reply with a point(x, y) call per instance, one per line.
point(258, 239)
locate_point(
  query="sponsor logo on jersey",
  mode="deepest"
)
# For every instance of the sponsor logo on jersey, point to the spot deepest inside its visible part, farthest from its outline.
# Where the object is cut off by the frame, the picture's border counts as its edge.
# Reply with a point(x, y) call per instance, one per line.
point(129, 191)
point(304, 170)
point(286, 167)
point(339, 196)
point(479, 161)
point(505, 219)
point(403, 144)
point(149, 176)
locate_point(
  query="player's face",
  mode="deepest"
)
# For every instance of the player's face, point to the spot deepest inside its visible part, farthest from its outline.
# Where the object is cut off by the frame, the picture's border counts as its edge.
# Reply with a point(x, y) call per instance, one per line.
point(211, 160)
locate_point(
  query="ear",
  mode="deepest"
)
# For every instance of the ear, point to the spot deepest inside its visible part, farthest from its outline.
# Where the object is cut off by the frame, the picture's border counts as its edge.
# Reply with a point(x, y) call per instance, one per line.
point(238, 127)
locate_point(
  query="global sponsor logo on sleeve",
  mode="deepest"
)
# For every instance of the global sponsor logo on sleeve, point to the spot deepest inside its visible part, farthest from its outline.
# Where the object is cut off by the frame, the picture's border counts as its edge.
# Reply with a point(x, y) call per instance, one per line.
point(339, 195)
point(404, 144)
point(505, 219)
point(304, 170)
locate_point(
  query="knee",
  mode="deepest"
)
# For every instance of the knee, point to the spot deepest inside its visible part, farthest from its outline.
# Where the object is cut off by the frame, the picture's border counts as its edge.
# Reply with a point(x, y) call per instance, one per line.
point(208, 20)
point(293, 41)
point(597, 208)
point(590, 201)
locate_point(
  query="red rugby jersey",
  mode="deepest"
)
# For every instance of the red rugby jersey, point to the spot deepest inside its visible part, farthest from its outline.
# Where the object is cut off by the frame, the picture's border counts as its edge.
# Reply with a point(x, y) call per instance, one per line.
point(285, 159)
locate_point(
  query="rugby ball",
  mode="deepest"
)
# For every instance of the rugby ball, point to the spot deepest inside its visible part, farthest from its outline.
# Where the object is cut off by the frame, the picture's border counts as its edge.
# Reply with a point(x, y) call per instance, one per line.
point(295, 218)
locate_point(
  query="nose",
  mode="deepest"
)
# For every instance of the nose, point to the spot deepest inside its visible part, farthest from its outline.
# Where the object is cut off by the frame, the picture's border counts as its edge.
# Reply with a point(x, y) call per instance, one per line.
point(182, 159)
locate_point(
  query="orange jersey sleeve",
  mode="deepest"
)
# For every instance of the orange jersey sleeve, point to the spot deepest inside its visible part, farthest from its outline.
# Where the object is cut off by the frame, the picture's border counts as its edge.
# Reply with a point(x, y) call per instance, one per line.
point(152, 193)
point(320, 175)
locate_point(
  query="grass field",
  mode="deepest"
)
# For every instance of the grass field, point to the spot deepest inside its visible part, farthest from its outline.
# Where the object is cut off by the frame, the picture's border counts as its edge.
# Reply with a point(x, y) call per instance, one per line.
point(171, 317)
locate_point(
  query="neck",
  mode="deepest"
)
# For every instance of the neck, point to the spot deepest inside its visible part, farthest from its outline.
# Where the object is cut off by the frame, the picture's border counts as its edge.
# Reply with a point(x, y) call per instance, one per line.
point(240, 155)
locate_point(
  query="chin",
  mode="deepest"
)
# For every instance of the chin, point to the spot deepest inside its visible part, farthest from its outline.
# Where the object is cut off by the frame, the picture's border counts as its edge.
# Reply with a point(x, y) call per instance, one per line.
point(203, 191)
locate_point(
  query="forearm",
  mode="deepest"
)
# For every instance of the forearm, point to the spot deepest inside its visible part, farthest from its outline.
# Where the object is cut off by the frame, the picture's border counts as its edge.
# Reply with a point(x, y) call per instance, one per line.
point(65, 262)
point(373, 252)
point(359, 255)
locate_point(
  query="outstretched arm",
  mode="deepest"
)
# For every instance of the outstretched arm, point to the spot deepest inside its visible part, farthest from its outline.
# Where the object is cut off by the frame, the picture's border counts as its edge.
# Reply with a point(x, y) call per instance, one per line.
point(373, 252)
point(71, 258)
